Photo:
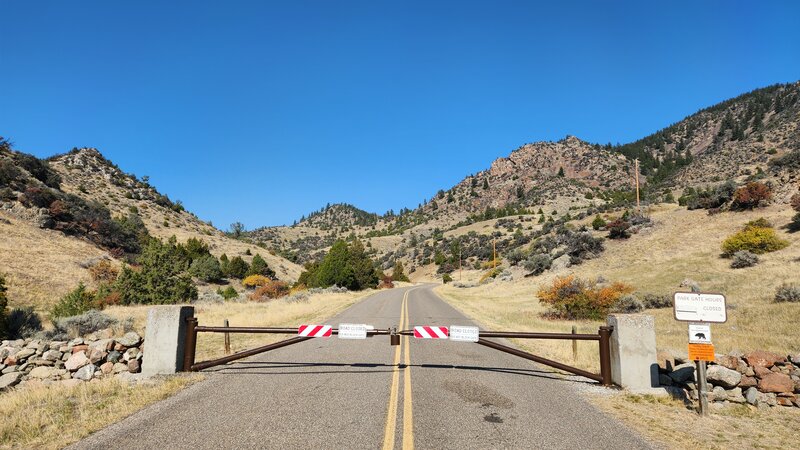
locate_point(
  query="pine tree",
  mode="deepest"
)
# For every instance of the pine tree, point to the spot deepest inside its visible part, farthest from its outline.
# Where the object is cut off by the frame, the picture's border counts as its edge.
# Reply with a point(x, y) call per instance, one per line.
point(485, 183)
point(237, 268)
point(561, 172)
point(397, 273)
point(260, 267)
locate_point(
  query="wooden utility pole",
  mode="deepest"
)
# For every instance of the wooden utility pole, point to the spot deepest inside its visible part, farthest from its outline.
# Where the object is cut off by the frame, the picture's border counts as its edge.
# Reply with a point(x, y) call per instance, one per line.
point(637, 184)
point(494, 253)
point(459, 261)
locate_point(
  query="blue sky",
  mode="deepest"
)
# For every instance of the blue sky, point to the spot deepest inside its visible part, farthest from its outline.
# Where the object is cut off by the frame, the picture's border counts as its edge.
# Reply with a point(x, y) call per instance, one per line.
point(264, 111)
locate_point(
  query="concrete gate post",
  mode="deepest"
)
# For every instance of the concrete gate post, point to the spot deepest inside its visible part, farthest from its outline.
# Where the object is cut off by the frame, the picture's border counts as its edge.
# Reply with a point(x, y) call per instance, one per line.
point(633, 351)
point(164, 339)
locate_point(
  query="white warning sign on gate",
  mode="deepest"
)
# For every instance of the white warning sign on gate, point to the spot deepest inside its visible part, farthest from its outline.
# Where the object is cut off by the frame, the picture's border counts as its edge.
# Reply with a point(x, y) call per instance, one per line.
point(352, 331)
point(463, 333)
point(699, 333)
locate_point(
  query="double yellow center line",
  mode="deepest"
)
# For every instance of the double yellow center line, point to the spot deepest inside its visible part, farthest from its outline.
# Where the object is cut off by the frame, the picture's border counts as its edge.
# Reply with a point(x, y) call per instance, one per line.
point(391, 417)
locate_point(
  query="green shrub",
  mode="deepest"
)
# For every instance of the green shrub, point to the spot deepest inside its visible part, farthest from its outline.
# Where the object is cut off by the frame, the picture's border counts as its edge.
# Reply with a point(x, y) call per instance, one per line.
point(345, 265)
point(446, 278)
point(743, 258)
point(788, 293)
point(755, 239)
point(618, 229)
point(206, 268)
point(228, 293)
point(598, 222)
point(82, 324)
point(656, 301)
point(161, 278)
point(237, 268)
point(23, 323)
point(628, 304)
point(537, 263)
point(76, 302)
point(794, 225)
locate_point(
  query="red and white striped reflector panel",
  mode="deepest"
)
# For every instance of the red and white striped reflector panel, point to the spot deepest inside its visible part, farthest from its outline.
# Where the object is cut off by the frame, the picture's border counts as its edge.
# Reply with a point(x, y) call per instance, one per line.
point(430, 332)
point(314, 330)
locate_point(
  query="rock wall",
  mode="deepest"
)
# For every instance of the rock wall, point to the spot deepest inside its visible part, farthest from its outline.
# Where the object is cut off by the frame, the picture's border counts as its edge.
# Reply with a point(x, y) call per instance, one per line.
point(759, 378)
point(98, 355)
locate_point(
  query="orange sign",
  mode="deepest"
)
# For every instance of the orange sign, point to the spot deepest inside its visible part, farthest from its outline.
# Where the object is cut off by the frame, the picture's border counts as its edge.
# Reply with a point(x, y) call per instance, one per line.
point(701, 352)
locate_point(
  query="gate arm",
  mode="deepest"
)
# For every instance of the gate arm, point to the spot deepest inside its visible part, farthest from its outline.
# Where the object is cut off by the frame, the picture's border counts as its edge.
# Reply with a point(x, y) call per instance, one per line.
point(539, 359)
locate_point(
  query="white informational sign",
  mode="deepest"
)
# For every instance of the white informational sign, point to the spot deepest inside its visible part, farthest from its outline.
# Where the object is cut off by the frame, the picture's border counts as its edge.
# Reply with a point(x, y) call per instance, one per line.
point(352, 331)
point(462, 333)
point(699, 333)
point(700, 307)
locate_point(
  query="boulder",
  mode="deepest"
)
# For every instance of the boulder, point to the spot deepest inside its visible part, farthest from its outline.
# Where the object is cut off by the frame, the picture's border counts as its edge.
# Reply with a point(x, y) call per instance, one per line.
point(114, 356)
point(51, 355)
point(105, 333)
point(103, 344)
point(795, 359)
point(76, 361)
point(751, 395)
point(10, 379)
point(666, 360)
point(10, 361)
point(42, 372)
point(9, 369)
point(683, 373)
point(97, 355)
point(107, 368)
point(776, 382)
point(748, 382)
point(721, 376)
point(761, 371)
point(24, 354)
point(80, 348)
point(727, 361)
point(763, 358)
point(718, 394)
point(85, 373)
point(735, 396)
point(131, 354)
point(134, 366)
point(131, 339)
point(120, 367)
point(560, 263)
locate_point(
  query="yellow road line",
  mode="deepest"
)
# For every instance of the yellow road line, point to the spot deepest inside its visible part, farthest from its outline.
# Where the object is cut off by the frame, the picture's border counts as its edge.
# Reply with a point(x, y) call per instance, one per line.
point(391, 416)
point(408, 415)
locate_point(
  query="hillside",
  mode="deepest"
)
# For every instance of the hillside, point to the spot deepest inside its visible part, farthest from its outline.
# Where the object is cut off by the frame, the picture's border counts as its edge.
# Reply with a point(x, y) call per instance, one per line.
point(85, 172)
point(753, 137)
point(60, 216)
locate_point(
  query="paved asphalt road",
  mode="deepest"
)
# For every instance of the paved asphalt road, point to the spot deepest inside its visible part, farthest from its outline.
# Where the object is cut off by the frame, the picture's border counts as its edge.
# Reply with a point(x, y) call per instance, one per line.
point(334, 393)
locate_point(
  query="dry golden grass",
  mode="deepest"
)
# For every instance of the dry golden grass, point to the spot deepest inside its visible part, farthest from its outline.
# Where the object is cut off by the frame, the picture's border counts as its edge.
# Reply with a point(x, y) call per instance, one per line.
point(669, 423)
point(41, 265)
point(52, 417)
point(275, 313)
point(683, 244)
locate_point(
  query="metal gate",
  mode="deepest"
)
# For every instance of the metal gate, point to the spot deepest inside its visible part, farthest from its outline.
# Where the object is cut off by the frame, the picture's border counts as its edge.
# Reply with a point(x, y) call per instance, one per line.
point(602, 337)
